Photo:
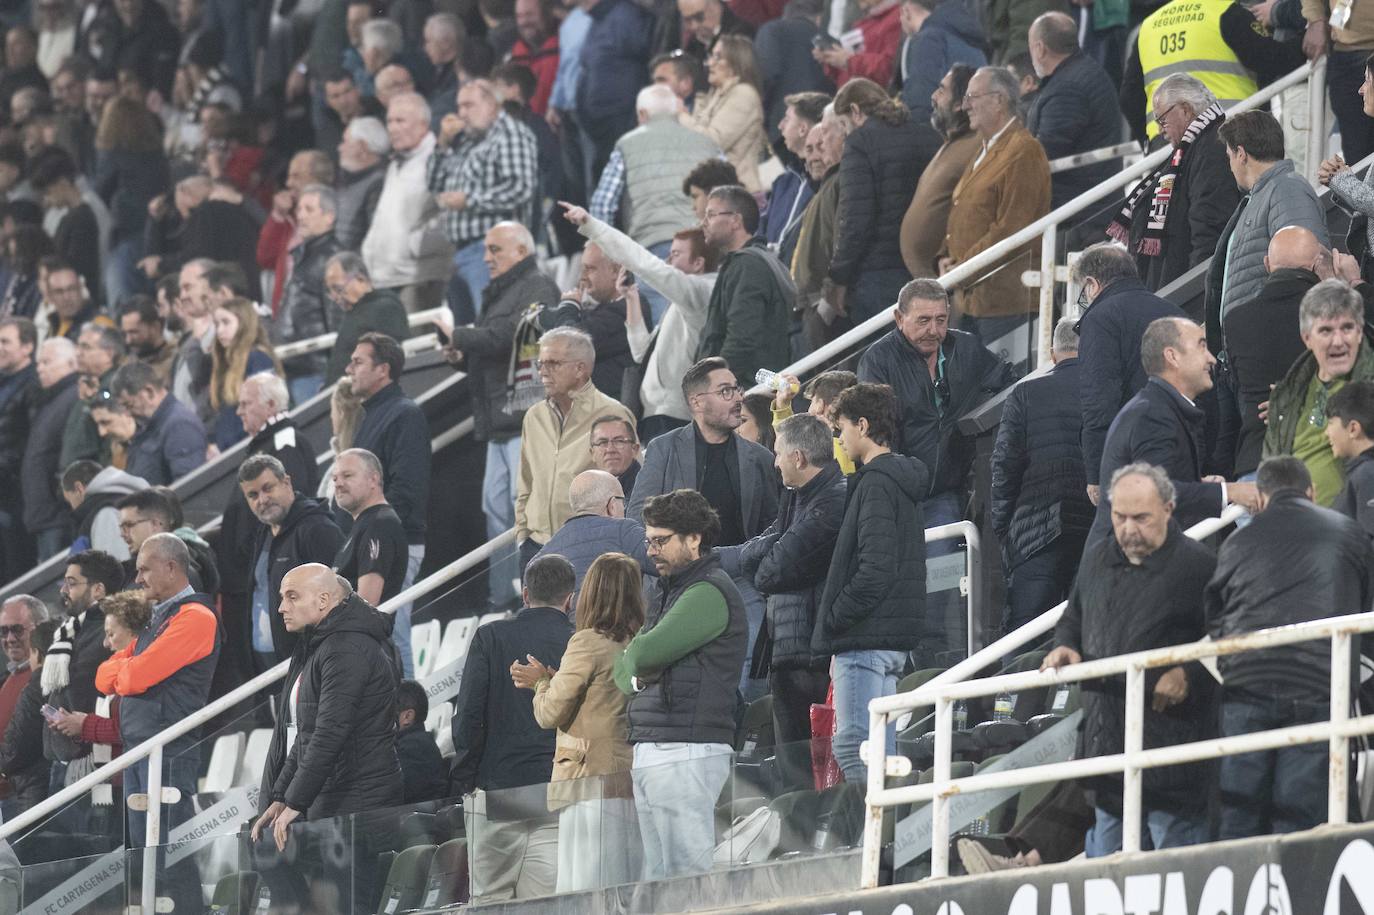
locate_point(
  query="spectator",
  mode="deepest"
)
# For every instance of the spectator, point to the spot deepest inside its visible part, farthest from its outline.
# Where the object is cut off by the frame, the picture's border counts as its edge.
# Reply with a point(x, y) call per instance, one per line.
point(1263, 339)
point(241, 350)
point(149, 511)
point(365, 308)
point(752, 300)
point(344, 104)
point(810, 263)
point(680, 673)
point(190, 381)
point(391, 81)
point(1142, 588)
point(25, 250)
point(45, 514)
point(130, 171)
point(705, 178)
point(404, 251)
point(1073, 111)
point(511, 856)
point(343, 706)
point(554, 434)
point(687, 278)
point(537, 47)
point(1175, 215)
point(381, 44)
point(56, 26)
point(792, 190)
point(485, 171)
point(114, 427)
point(198, 226)
point(789, 562)
point(597, 526)
point(613, 57)
point(163, 677)
point(1277, 197)
point(939, 375)
point(683, 74)
point(1331, 319)
point(1291, 539)
point(171, 440)
point(786, 68)
point(72, 305)
point(374, 557)
point(424, 774)
point(1352, 192)
point(939, 37)
point(880, 30)
point(306, 311)
point(1005, 189)
point(19, 388)
point(444, 35)
point(600, 305)
point(820, 393)
point(91, 492)
point(280, 233)
point(923, 226)
point(19, 616)
point(145, 335)
point(884, 157)
point(1349, 414)
point(517, 84)
point(731, 114)
point(22, 763)
point(21, 67)
point(1118, 310)
point(615, 449)
point(707, 21)
point(1162, 426)
point(757, 414)
point(362, 173)
point(1040, 510)
point(596, 837)
point(296, 530)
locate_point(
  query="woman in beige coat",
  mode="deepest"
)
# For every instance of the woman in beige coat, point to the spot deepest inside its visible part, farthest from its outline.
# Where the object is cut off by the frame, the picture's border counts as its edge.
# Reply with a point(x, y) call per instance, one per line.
point(732, 112)
point(598, 842)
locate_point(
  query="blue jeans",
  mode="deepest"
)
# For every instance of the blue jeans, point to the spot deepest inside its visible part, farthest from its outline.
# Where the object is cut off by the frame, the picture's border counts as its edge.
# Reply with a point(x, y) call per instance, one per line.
point(1272, 791)
point(676, 788)
point(946, 624)
point(470, 270)
point(754, 609)
point(304, 387)
point(860, 677)
point(400, 630)
point(1042, 581)
point(181, 881)
point(498, 504)
point(1159, 830)
point(657, 303)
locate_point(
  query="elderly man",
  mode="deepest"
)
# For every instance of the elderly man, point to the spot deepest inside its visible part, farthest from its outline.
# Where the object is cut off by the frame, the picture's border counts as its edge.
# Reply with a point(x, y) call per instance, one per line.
point(483, 172)
point(538, 48)
point(1004, 189)
point(190, 379)
point(171, 439)
point(923, 226)
point(280, 233)
point(606, 310)
point(375, 555)
point(615, 449)
point(306, 311)
point(1162, 426)
point(405, 252)
point(1175, 215)
point(598, 525)
point(485, 350)
point(45, 513)
point(391, 81)
point(362, 170)
point(365, 310)
point(554, 435)
point(1138, 589)
point(18, 616)
point(792, 190)
point(1331, 319)
point(810, 262)
point(705, 21)
point(380, 40)
point(443, 41)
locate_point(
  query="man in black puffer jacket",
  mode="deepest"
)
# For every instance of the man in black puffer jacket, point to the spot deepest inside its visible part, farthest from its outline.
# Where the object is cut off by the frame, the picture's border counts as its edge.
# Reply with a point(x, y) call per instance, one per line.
point(788, 563)
point(305, 310)
point(1290, 540)
point(340, 704)
point(872, 610)
point(1040, 509)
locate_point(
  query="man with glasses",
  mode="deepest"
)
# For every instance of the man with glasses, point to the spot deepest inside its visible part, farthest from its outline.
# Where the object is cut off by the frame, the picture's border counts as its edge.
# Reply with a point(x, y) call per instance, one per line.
point(19, 615)
point(736, 476)
point(554, 436)
point(366, 309)
point(706, 21)
point(155, 511)
point(615, 449)
point(598, 525)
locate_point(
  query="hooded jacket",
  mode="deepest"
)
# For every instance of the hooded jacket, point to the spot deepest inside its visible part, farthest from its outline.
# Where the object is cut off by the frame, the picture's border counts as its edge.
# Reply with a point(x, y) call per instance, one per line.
point(97, 520)
point(341, 694)
point(308, 534)
point(1357, 495)
point(875, 589)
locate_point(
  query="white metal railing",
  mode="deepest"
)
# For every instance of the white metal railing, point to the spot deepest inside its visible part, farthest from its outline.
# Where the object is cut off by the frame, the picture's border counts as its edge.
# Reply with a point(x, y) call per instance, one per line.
point(971, 586)
point(325, 341)
point(1093, 156)
point(1131, 763)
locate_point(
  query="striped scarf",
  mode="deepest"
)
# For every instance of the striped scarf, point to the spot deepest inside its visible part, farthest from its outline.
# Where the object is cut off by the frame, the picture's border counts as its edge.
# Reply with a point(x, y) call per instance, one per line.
point(1161, 180)
point(58, 660)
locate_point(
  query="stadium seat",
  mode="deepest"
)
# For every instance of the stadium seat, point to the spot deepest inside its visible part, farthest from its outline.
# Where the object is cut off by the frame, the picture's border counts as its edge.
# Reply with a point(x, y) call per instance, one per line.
point(449, 821)
point(224, 763)
point(444, 735)
point(995, 738)
point(756, 732)
point(437, 713)
point(457, 638)
point(448, 876)
point(424, 646)
point(254, 758)
point(419, 829)
point(491, 618)
point(406, 880)
point(907, 684)
point(240, 893)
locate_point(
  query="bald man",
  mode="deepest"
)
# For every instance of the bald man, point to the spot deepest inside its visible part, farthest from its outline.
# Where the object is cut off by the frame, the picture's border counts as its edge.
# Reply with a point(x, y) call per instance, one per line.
point(393, 80)
point(598, 525)
point(337, 712)
point(1262, 338)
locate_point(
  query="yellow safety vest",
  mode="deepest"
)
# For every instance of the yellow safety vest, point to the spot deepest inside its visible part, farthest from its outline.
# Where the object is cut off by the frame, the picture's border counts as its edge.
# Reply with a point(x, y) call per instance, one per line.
point(1185, 37)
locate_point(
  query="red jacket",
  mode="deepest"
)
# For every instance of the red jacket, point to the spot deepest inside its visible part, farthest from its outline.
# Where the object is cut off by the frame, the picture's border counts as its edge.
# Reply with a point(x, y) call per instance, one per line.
point(544, 63)
point(882, 32)
point(757, 12)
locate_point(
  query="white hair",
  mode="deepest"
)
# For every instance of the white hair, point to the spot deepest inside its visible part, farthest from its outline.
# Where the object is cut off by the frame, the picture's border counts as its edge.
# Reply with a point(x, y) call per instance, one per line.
point(65, 349)
point(371, 132)
point(272, 388)
point(384, 35)
point(1182, 88)
point(413, 100)
point(656, 100)
point(523, 236)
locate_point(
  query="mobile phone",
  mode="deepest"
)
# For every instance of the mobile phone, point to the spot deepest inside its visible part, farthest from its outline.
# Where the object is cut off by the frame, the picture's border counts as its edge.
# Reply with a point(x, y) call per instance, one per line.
point(49, 712)
point(823, 41)
point(627, 280)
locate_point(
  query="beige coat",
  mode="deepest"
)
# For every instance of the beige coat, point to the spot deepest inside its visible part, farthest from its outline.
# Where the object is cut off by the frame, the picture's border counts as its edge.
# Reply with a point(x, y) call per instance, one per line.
point(923, 227)
point(733, 117)
point(588, 709)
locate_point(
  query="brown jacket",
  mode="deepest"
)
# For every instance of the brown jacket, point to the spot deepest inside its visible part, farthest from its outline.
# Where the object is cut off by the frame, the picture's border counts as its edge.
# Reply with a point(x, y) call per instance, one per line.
point(923, 227)
point(1004, 193)
point(588, 709)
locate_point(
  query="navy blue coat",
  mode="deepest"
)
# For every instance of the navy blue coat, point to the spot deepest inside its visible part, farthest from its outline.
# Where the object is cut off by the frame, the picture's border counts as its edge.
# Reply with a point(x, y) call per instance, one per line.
point(395, 429)
point(169, 445)
point(583, 538)
point(783, 50)
point(615, 59)
point(1109, 351)
point(950, 35)
point(1074, 112)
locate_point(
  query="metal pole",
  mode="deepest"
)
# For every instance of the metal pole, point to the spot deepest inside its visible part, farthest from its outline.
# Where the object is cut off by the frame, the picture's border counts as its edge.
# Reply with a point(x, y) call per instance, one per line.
point(1048, 242)
point(939, 805)
point(1337, 793)
point(1132, 777)
point(873, 813)
point(1316, 117)
point(152, 836)
point(973, 568)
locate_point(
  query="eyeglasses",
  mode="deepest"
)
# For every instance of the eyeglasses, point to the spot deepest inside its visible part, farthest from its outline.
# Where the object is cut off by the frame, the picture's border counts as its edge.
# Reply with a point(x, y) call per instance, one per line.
point(710, 215)
point(126, 526)
point(16, 630)
point(1317, 417)
point(1159, 118)
point(1083, 297)
point(656, 544)
point(552, 365)
point(970, 96)
point(70, 583)
point(727, 391)
point(600, 444)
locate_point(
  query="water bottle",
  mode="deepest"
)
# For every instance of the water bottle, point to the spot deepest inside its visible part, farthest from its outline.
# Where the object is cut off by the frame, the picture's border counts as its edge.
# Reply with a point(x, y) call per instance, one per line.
point(960, 715)
point(773, 381)
point(1004, 706)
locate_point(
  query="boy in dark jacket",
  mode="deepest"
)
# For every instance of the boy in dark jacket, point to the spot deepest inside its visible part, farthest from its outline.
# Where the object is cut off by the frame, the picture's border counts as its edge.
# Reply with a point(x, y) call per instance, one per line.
point(1350, 416)
point(871, 612)
point(423, 775)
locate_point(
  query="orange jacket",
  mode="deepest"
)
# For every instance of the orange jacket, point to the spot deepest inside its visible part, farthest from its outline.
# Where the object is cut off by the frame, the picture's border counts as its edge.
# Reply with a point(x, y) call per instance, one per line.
point(188, 637)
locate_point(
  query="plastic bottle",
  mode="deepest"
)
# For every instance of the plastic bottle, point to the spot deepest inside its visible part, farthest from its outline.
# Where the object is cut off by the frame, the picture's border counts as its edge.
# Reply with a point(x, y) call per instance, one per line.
point(960, 715)
point(1004, 706)
point(773, 381)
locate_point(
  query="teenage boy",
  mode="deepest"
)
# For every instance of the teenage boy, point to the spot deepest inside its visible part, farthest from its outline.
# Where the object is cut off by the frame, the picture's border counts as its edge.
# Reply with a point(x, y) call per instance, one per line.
point(1350, 420)
point(821, 392)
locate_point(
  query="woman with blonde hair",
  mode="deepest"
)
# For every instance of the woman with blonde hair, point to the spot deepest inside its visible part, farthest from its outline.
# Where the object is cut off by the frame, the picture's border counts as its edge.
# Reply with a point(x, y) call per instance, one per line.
point(597, 841)
point(241, 349)
point(732, 112)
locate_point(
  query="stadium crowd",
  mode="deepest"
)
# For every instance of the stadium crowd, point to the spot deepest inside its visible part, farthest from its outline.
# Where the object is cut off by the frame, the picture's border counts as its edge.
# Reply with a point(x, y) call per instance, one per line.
point(192, 193)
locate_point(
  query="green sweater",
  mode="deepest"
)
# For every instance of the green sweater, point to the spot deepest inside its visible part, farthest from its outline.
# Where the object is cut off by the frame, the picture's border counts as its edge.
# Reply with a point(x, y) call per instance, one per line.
point(697, 617)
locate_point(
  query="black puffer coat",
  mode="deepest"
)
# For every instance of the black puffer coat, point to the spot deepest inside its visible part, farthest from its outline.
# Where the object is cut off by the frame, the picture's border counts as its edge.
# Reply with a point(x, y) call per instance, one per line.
point(875, 592)
point(344, 759)
point(1038, 491)
point(1075, 111)
point(308, 534)
point(1295, 562)
point(1116, 608)
point(306, 311)
point(44, 508)
point(878, 173)
point(788, 562)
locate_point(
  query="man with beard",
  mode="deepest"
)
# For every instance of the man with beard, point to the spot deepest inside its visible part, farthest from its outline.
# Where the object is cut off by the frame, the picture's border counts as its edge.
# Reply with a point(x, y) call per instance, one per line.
point(145, 336)
point(536, 48)
point(923, 228)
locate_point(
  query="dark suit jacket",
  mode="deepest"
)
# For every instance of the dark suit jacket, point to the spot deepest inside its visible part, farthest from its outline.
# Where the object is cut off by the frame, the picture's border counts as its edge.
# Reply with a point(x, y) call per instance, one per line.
point(1159, 426)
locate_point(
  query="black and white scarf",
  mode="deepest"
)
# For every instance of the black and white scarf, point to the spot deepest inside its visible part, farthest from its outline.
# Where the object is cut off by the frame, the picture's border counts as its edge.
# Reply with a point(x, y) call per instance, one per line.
point(57, 662)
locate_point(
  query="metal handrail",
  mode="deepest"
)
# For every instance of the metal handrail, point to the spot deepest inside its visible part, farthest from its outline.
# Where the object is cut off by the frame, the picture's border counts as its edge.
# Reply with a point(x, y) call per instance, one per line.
point(1131, 763)
point(1093, 156)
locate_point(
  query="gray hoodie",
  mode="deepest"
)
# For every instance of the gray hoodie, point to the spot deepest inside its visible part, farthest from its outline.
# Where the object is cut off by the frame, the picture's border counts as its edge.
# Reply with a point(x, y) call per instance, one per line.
point(106, 488)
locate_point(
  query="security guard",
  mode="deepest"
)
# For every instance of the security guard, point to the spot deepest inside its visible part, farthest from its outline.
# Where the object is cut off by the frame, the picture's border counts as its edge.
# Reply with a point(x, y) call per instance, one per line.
point(1218, 41)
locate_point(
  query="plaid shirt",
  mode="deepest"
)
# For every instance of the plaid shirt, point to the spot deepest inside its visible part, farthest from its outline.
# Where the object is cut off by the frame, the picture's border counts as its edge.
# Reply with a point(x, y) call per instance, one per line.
point(498, 172)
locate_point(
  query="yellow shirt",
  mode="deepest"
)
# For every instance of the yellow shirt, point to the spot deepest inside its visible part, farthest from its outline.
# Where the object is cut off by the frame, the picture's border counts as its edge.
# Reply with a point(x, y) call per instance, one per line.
point(846, 465)
point(1312, 448)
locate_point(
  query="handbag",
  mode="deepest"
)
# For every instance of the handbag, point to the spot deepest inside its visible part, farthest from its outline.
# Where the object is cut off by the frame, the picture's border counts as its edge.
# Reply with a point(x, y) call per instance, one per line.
point(750, 839)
